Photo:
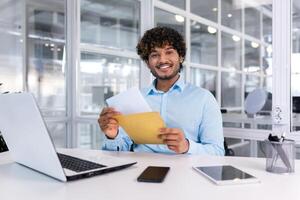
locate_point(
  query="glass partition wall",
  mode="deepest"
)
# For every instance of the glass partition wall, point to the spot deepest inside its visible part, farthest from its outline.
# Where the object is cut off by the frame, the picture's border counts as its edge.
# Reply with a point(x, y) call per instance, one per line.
point(11, 59)
point(109, 31)
point(229, 52)
point(33, 57)
point(295, 67)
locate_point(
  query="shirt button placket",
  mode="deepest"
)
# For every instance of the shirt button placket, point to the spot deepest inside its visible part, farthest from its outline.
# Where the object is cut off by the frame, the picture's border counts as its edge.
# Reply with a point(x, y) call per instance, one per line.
point(164, 106)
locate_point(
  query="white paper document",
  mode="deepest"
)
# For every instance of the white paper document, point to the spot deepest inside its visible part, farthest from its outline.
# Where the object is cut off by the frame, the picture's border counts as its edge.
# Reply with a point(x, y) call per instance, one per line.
point(129, 102)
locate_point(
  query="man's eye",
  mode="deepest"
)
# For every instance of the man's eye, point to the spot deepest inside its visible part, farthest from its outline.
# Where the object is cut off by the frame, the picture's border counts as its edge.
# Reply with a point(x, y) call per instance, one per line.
point(153, 55)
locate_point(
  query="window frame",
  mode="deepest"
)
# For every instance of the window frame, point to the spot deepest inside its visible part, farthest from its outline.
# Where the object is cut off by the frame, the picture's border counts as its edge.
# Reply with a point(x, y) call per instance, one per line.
point(147, 11)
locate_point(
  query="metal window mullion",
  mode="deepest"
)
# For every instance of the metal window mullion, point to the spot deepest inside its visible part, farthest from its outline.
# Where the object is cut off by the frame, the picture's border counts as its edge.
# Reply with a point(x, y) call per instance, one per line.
point(57, 119)
point(188, 6)
point(169, 8)
point(24, 47)
point(219, 56)
point(232, 108)
point(261, 52)
point(281, 66)
point(202, 20)
point(252, 39)
point(188, 43)
point(202, 66)
point(243, 92)
point(254, 73)
point(73, 56)
point(75, 72)
point(82, 119)
point(91, 48)
point(147, 13)
point(267, 12)
point(256, 134)
point(243, 59)
point(240, 34)
point(231, 31)
point(230, 70)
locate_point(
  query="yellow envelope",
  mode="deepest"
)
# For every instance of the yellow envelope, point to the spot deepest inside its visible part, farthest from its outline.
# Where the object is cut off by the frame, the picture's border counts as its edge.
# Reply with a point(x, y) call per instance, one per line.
point(142, 128)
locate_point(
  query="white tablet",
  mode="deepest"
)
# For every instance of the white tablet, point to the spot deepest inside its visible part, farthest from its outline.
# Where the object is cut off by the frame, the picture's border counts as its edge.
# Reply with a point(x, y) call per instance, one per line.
point(226, 175)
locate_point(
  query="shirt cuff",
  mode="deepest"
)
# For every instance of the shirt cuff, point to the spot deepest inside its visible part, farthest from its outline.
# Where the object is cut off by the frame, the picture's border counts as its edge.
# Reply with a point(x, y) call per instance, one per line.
point(193, 147)
point(113, 144)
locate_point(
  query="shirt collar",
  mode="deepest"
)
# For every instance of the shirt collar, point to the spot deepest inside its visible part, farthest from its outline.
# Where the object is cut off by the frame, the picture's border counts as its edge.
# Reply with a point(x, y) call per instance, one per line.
point(178, 85)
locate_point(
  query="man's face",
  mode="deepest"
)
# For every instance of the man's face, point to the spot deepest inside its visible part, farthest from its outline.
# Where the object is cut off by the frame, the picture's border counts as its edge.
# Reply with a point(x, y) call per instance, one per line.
point(164, 63)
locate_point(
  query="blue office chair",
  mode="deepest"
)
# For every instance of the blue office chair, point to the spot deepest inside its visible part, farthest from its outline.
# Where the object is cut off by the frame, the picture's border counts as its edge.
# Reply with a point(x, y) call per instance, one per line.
point(255, 101)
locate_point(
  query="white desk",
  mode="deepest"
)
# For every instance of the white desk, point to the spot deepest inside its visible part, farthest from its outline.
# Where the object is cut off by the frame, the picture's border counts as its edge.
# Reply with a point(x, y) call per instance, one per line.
point(182, 182)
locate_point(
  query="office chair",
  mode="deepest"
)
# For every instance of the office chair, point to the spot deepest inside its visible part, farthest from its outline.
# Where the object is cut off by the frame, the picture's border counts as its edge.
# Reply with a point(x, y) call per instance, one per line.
point(3, 146)
point(228, 151)
point(255, 101)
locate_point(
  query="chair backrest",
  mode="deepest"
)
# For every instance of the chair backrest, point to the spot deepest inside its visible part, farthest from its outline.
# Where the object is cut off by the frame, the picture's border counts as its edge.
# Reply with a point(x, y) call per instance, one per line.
point(255, 101)
point(3, 146)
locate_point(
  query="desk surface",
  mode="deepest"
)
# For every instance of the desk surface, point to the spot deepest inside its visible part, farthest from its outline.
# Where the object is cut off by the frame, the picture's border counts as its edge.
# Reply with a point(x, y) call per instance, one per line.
point(182, 182)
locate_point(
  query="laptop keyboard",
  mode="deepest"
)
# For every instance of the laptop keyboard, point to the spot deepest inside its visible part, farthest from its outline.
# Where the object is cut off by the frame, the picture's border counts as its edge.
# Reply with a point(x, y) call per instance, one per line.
point(76, 164)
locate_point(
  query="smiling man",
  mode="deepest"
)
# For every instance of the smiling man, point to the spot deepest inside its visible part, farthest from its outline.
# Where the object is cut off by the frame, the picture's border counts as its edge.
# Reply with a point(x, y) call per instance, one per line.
point(191, 114)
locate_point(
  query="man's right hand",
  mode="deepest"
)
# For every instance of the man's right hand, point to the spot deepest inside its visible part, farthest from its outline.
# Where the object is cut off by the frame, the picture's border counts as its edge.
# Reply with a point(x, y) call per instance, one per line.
point(107, 123)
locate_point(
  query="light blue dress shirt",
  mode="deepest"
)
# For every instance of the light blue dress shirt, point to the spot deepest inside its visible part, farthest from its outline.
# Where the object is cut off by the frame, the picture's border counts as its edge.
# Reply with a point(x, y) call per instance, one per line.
point(192, 109)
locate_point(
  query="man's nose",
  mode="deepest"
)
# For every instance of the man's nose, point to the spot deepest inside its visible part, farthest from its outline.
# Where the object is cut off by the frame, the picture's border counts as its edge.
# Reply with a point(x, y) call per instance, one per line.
point(163, 58)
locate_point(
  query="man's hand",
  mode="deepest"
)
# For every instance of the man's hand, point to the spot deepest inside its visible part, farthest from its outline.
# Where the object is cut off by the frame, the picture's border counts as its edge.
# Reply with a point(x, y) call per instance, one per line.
point(107, 123)
point(175, 139)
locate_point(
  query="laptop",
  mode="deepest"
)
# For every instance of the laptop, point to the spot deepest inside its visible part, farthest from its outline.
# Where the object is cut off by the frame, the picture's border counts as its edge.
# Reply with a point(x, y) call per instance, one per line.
point(30, 144)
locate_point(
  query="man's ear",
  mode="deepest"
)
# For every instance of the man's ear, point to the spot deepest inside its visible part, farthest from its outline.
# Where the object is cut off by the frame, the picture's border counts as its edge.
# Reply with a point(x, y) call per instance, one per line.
point(181, 59)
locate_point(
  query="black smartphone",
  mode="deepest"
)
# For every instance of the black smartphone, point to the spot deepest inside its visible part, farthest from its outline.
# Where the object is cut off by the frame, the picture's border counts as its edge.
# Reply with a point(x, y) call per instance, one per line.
point(153, 174)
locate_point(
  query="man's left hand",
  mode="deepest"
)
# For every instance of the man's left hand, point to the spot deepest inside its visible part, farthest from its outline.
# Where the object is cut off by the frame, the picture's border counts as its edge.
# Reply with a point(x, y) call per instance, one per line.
point(175, 139)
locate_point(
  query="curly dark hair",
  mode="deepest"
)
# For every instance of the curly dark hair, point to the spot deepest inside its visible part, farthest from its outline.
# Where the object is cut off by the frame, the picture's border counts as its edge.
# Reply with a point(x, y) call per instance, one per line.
point(160, 37)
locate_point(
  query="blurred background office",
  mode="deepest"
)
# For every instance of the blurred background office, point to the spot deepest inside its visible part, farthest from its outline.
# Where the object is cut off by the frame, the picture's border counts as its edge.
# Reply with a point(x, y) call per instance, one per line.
point(73, 54)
